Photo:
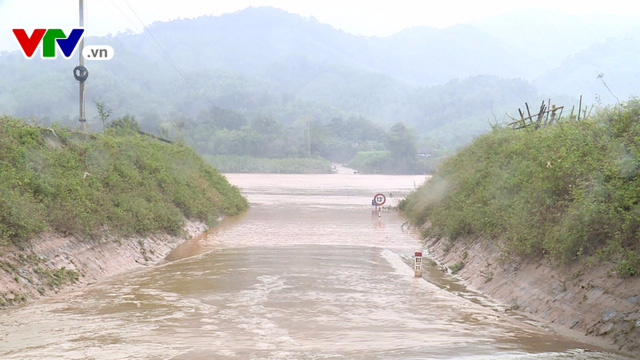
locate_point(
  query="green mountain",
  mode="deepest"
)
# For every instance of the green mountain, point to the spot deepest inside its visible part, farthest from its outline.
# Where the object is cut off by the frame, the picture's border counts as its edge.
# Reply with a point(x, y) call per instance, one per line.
point(448, 84)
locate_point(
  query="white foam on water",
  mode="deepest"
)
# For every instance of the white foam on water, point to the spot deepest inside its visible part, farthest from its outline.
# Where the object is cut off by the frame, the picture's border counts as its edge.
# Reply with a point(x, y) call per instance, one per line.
point(397, 263)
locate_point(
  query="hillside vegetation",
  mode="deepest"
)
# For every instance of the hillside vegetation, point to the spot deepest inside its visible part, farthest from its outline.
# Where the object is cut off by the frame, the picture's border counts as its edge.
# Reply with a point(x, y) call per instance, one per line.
point(567, 191)
point(117, 183)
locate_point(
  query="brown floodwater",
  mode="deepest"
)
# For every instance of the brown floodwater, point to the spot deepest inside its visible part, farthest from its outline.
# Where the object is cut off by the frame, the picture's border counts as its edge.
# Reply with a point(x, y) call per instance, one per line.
point(309, 272)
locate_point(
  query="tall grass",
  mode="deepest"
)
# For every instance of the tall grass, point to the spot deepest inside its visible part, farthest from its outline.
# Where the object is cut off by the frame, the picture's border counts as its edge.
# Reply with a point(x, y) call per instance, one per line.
point(564, 191)
point(118, 182)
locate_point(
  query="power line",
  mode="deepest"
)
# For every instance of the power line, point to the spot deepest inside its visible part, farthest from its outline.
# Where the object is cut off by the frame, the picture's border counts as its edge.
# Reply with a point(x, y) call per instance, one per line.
point(126, 16)
point(162, 49)
point(147, 33)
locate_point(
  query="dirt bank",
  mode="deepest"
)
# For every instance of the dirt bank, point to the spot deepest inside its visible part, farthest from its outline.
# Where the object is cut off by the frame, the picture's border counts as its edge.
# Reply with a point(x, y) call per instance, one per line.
point(51, 262)
point(574, 300)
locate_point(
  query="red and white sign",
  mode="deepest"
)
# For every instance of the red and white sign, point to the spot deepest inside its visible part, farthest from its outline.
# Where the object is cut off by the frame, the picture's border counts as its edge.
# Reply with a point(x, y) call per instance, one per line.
point(380, 199)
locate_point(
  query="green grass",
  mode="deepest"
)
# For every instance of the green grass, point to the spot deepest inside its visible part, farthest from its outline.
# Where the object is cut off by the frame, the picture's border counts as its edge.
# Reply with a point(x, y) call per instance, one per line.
point(56, 278)
point(248, 164)
point(119, 182)
point(457, 267)
point(565, 191)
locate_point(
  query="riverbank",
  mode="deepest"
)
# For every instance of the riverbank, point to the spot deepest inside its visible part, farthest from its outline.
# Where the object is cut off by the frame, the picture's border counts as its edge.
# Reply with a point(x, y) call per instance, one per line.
point(546, 219)
point(586, 302)
point(77, 207)
point(51, 263)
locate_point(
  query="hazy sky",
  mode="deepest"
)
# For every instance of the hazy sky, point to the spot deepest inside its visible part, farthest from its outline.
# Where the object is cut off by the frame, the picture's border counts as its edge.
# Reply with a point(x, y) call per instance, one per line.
point(379, 18)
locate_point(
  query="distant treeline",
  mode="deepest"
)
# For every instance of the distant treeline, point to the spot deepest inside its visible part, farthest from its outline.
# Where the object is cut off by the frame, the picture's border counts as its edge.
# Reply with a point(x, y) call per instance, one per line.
point(224, 136)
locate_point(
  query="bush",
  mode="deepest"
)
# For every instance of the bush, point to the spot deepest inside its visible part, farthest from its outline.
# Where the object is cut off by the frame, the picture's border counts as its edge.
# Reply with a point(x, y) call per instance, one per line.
point(125, 123)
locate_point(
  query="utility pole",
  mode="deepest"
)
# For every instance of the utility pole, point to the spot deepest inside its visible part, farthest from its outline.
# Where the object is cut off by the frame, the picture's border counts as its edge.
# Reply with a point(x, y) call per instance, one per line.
point(309, 135)
point(83, 118)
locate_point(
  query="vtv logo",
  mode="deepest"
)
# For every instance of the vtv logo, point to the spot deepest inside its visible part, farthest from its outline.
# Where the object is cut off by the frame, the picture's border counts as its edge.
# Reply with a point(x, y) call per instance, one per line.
point(49, 38)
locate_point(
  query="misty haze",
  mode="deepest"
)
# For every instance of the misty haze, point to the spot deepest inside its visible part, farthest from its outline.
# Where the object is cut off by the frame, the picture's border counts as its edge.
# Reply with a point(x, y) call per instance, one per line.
point(261, 184)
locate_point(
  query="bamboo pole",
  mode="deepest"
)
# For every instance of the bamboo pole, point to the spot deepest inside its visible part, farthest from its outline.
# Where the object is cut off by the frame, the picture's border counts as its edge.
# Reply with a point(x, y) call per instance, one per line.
point(571, 115)
point(546, 119)
point(580, 108)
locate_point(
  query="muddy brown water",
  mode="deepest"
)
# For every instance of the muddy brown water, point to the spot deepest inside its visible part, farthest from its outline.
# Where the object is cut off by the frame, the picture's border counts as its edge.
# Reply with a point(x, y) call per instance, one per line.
point(309, 272)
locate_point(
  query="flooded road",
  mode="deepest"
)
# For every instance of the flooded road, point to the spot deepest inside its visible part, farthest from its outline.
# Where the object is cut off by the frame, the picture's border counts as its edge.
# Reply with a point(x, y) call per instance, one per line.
point(309, 272)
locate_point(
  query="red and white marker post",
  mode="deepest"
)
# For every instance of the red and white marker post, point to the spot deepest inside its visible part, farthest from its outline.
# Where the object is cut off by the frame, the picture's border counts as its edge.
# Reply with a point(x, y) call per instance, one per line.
point(418, 264)
point(380, 199)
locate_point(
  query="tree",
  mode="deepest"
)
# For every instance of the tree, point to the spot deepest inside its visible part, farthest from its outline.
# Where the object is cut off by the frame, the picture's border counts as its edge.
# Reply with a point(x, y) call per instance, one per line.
point(126, 122)
point(401, 143)
point(226, 118)
point(266, 125)
point(103, 112)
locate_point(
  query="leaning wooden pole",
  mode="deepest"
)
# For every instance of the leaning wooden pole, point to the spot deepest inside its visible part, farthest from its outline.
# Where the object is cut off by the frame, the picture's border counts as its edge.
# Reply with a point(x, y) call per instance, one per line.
point(528, 112)
point(546, 119)
point(580, 108)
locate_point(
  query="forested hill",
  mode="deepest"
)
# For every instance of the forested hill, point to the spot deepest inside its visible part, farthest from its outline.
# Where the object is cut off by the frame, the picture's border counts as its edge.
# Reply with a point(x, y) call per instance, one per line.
point(272, 44)
point(267, 62)
point(292, 51)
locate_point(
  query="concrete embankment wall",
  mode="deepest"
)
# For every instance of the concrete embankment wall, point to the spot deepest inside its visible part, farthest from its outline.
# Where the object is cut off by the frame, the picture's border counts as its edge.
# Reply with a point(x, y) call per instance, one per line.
point(577, 300)
point(52, 263)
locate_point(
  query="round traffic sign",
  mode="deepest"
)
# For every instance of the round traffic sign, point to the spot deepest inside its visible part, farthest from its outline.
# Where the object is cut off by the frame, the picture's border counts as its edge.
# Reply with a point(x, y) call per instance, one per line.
point(380, 199)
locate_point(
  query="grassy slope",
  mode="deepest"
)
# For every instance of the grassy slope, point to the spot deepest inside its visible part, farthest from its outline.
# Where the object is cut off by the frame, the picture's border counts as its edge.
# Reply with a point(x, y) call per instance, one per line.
point(134, 185)
point(567, 191)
